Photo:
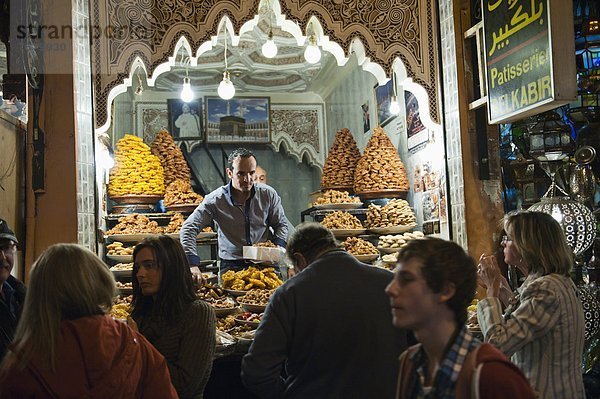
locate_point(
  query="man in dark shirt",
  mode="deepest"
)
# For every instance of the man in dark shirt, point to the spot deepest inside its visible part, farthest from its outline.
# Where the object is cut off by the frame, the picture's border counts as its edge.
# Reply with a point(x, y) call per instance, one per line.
point(326, 332)
point(12, 291)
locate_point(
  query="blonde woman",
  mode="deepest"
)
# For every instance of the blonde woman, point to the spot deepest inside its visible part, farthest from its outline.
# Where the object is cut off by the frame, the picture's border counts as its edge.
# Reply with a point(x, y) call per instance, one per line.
point(65, 344)
point(542, 329)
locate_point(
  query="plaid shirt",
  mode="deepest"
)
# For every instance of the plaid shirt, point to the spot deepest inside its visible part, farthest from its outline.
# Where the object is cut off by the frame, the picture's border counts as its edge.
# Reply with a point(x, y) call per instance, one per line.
point(446, 376)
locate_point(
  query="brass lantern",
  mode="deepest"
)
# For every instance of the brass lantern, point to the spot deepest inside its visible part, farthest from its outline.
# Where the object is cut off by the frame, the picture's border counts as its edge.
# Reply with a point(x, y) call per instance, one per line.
point(576, 220)
point(550, 137)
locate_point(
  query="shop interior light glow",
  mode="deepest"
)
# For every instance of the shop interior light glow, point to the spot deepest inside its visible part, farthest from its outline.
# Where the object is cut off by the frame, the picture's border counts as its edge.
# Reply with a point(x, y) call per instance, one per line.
point(269, 49)
point(226, 88)
point(187, 94)
point(394, 104)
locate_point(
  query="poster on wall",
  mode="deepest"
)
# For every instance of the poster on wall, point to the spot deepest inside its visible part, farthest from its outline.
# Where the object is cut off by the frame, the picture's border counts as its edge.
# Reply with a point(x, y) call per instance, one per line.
point(383, 98)
point(185, 119)
point(417, 134)
point(366, 117)
point(426, 169)
point(241, 119)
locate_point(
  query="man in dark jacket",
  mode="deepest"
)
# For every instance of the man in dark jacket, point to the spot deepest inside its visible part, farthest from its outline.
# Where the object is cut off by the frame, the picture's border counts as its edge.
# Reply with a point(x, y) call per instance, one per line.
point(12, 291)
point(326, 332)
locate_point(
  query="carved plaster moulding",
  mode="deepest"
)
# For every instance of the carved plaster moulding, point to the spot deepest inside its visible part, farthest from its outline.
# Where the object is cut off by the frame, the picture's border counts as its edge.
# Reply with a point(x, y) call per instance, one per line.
point(383, 34)
point(300, 128)
point(151, 118)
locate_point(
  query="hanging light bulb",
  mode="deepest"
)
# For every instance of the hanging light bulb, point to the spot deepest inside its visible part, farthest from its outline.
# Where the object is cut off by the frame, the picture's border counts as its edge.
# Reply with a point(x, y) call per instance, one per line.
point(312, 54)
point(394, 104)
point(226, 89)
point(187, 94)
point(269, 49)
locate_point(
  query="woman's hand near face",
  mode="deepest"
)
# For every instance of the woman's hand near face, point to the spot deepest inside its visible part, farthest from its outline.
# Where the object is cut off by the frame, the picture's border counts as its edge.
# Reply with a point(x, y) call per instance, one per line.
point(489, 275)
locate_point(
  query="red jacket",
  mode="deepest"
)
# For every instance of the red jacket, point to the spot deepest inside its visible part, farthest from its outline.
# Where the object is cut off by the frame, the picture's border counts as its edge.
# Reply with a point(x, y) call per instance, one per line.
point(96, 357)
point(486, 373)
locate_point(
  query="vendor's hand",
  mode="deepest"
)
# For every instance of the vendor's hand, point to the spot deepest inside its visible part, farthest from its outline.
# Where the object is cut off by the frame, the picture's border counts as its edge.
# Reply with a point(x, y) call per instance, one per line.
point(197, 276)
point(132, 324)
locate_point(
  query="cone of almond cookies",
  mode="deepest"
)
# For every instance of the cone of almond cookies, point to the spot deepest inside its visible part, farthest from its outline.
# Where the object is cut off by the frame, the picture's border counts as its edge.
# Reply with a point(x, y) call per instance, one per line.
point(380, 167)
point(341, 161)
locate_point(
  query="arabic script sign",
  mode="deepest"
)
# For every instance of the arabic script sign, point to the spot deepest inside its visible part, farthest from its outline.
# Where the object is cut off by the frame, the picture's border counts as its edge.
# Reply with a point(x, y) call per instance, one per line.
point(519, 57)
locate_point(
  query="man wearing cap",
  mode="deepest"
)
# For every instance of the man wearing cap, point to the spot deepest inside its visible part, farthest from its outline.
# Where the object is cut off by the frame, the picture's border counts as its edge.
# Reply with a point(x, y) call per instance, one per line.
point(12, 291)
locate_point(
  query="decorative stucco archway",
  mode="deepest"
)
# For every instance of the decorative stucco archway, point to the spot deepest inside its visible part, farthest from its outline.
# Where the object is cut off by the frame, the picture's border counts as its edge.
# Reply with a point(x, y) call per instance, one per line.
point(383, 34)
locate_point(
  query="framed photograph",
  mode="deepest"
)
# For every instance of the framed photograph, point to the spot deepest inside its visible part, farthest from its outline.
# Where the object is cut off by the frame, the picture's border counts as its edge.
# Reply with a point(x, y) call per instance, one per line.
point(417, 134)
point(366, 117)
point(383, 97)
point(239, 120)
point(185, 119)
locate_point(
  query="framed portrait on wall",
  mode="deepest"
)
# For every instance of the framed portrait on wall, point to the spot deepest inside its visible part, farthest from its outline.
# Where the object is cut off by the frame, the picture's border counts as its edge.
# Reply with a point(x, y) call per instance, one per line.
point(185, 119)
point(366, 117)
point(417, 134)
point(239, 120)
point(383, 98)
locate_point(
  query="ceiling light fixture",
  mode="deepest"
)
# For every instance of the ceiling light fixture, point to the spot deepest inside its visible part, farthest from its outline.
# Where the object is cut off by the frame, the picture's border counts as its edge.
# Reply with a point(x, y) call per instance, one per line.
point(226, 89)
point(312, 54)
point(269, 48)
point(187, 94)
point(394, 104)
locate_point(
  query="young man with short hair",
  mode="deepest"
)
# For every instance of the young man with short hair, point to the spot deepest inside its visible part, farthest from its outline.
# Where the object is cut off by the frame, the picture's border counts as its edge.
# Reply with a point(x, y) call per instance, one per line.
point(434, 283)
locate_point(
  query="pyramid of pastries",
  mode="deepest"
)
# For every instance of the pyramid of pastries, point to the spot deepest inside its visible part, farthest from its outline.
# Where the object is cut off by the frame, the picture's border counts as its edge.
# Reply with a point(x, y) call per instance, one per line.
point(397, 212)
point(136, 170)
point(380, 167)
point(341, 161)
point(180, 192)
point(171, 158)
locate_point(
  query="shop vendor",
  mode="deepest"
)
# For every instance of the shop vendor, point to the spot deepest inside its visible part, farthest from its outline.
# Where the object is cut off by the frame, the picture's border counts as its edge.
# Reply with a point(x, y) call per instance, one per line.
point(242, 211)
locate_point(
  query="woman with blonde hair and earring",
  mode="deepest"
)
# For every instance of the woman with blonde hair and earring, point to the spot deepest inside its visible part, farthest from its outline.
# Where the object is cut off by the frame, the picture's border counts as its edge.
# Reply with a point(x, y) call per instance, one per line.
point(542, 329)
point(66, 346)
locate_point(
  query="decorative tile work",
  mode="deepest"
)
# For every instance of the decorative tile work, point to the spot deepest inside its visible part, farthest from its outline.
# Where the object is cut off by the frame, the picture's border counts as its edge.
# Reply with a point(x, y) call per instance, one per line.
point(300, 127)
point(150, 118)
point(82, 84)
point(451, 122)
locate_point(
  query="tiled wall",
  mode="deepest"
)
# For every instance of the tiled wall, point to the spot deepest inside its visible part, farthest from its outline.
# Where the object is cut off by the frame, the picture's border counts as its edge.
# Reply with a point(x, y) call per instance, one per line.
point(82, 83)
point(344, 105)
point(451, 123)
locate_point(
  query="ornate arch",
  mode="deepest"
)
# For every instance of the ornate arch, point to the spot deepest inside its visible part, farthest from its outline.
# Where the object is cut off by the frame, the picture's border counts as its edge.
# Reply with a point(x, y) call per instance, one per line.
point(147, 31)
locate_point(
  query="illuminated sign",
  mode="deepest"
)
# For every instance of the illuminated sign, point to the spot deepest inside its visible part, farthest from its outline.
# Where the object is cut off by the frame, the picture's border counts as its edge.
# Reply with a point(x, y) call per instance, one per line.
point(527, 47)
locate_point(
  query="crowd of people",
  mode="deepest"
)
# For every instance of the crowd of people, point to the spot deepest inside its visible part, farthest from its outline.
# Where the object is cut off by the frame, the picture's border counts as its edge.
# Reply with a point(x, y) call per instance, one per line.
point(337, 328)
